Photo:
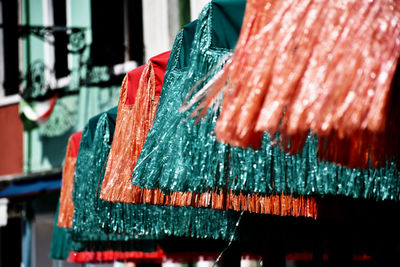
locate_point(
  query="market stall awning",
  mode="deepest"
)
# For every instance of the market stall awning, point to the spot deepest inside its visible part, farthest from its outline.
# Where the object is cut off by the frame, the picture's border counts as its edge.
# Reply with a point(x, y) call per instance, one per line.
point(22, 189)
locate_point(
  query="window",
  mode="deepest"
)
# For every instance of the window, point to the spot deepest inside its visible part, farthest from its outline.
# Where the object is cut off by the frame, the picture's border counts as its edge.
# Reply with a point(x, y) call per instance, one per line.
point(60, 40)
point(117, 32)
point(9, 58)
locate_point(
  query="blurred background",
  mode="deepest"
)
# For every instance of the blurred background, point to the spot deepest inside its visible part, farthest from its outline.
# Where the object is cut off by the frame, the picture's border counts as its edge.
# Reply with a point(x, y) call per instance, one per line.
point(62, 62)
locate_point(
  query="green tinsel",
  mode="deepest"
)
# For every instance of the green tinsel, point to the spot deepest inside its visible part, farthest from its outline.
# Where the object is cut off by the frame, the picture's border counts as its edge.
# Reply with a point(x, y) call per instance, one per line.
point(179, 155)
point(182, 156)
point(61, 241)
point(95, 219)
point(90, 162)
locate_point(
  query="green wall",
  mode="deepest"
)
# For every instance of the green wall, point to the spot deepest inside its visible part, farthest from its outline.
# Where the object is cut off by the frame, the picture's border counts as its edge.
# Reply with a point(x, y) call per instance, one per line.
point(44, 146)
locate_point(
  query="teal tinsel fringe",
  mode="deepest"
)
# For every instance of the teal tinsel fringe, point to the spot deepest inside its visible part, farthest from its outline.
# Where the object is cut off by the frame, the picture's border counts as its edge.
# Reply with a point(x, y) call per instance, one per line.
point(182, 156)
point(95, 219)
point(177, 154)
point(61, 241)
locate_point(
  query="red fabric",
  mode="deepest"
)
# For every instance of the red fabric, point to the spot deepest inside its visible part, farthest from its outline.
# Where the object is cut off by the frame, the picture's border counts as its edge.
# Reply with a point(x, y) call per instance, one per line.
point(111, 256)
point(76, 140)
point(45, 115)
point(160, 64)
point(133, 84)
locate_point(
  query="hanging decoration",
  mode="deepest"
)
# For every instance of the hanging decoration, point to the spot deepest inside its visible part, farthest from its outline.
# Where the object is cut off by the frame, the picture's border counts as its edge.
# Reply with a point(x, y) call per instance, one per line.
point(111, 256)
point(93, 251)
point(181, 164)
point(66, 205)
point(327, 66)
point(305, 82)
point(64, 247)
point(38, 111)
point(95, 219)
point(133, 123)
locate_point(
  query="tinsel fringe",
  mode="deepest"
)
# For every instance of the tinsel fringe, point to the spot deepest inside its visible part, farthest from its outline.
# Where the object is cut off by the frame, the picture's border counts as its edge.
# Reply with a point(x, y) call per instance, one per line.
point(95, 219)
point(111, 256)
point(89, 164)
point(188, 148)
point(281, 205)
point(66, 212)
point(181, 156)
point(293, 71)
point(133, 123)
point(61, 241)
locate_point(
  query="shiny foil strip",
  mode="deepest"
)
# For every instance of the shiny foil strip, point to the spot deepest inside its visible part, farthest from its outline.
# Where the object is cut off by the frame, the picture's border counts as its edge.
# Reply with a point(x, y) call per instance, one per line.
point(112, 255)
point(89, 166)
point(133, 123)
point(181, 163)
point(66, 206)
point(102, 220)
point(99, 220)
point(282, 205)
point(121, 143)
point(119, 159)
point(322, 65)
point(66, 210)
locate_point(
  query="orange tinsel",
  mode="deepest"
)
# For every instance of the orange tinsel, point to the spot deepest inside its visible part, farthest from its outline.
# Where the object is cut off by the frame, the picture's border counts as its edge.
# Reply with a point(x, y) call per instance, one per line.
point(66, 211)
point(282, 205)
point(322, 65)
point(133, 123)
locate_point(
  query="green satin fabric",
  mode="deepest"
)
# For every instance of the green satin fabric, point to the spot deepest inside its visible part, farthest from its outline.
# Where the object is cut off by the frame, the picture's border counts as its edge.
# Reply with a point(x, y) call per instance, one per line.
point(182, 156)
point(183, 46)
point(226, 17)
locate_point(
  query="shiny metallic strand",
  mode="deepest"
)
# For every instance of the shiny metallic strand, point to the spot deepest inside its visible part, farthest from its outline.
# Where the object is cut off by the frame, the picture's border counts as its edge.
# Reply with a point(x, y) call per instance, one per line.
point(181, 163)
point(66, 210)
point(182, 156)
point(133, 123)
point(322, 65)
point(96, 219)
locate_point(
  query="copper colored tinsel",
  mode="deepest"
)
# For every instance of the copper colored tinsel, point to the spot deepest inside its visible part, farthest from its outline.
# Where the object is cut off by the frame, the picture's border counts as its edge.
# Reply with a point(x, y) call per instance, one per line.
point(66, 211)
point(133, 123)
point(282, 205)
point(175, 85)
point(323, 65)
